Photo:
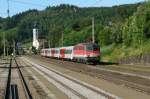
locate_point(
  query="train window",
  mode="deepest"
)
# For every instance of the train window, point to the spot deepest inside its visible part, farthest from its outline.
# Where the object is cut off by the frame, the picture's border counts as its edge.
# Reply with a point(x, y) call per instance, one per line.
point(68, 51)
point(56, 51)
point(89, 47)
point(49, 51)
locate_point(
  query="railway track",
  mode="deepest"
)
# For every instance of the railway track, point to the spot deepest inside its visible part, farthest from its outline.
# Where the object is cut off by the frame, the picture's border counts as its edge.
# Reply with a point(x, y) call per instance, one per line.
point(137, 82)
point(12, 86)
point(73, 88)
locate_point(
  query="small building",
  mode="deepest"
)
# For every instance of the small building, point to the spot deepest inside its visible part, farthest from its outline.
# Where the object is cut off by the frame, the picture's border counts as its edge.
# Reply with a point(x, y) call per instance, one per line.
point(43, 43)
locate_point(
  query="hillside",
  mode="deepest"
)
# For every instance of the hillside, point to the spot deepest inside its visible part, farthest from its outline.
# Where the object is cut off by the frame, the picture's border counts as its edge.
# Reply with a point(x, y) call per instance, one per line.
point(73, 21)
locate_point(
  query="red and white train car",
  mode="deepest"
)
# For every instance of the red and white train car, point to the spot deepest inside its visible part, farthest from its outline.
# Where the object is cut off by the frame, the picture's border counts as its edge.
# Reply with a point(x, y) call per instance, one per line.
point(66, 52)
point(44, 52)
point(55, 52)
point(83, 52)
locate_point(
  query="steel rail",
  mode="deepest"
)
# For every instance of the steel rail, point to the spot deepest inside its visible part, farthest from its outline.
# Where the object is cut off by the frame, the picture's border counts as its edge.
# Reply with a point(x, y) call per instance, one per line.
point(7, 91)
point(26, 88)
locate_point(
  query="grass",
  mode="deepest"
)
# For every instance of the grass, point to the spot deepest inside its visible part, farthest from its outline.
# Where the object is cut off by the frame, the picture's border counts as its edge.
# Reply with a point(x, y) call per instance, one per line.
point(129, 68)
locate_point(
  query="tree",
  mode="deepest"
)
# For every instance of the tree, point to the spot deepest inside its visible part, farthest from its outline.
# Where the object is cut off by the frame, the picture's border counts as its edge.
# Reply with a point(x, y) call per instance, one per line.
point(105, 36)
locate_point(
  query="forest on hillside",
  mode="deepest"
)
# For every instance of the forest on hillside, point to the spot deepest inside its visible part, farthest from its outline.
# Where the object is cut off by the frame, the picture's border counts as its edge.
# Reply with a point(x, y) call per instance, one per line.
point(124, 25)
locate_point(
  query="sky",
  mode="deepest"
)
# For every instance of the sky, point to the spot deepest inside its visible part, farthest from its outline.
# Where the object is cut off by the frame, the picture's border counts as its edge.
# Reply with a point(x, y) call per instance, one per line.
point(17, 6)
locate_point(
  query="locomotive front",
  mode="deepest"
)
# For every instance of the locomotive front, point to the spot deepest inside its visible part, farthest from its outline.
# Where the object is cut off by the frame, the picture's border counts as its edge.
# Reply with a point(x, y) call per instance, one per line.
point(92, 52)
point(86, 52)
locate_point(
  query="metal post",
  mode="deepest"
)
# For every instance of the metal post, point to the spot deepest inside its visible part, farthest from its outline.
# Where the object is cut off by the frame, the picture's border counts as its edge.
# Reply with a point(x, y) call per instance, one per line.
point(14, 46)
point(4, 33)
point(62, 39)
point(8, 8)
point(7, 52)
point(43, 44)
point(93, 34)
point(4, 44)
point(49, 44)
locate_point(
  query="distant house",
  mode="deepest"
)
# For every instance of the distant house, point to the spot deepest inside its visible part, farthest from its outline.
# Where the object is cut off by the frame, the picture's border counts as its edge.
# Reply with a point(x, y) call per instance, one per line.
point(43, 43)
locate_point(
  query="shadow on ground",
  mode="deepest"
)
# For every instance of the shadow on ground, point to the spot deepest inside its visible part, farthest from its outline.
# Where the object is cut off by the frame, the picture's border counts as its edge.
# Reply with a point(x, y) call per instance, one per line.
point(107, 63)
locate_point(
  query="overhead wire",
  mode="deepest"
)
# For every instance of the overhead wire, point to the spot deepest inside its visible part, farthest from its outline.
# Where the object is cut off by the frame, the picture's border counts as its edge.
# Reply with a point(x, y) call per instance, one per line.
point(3, 13)
point(85, 2)
point(95, 3)
point(28, 3)
point(90, 5)
point(80, 3)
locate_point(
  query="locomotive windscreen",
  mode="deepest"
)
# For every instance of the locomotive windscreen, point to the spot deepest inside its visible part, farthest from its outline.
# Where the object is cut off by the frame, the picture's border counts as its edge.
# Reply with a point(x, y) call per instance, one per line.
point(92, 47)
point(89, 47)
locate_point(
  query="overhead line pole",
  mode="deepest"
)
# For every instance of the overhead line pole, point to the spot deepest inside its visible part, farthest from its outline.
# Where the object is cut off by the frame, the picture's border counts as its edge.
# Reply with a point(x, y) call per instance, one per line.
point(93, 30)
point(4, 44)
point(49, 44)
point(8, 17)
point(93, 24)
point(8, 8)
point(62, 39)
point(14, 48)
point(8, 12)
point(4, 33)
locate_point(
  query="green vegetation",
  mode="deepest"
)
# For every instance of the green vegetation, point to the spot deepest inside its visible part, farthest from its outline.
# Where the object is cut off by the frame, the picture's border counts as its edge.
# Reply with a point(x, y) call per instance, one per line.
point(135, 36)
point(113, 53)
point(121, 31)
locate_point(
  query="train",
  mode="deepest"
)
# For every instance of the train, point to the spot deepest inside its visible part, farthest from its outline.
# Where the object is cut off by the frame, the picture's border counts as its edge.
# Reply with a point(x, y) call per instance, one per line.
point(82, 52)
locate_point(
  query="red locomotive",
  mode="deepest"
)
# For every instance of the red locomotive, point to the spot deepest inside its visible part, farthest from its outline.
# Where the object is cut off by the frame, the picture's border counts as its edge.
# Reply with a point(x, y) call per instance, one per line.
point(83, 52)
